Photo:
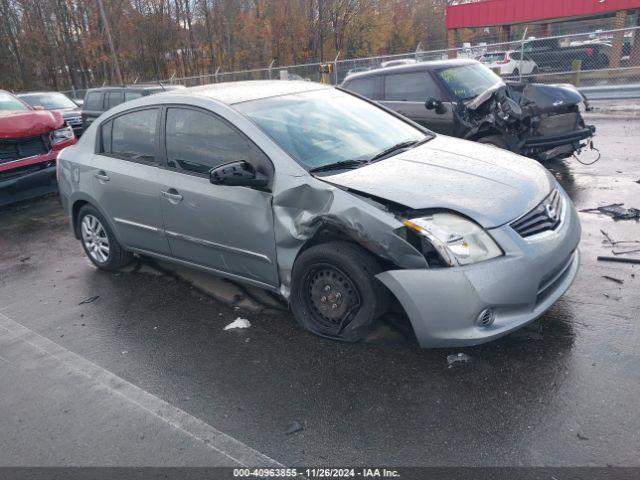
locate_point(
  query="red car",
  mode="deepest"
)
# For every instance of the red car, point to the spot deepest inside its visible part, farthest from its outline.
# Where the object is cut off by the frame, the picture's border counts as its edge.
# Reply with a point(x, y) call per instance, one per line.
point(30, 140)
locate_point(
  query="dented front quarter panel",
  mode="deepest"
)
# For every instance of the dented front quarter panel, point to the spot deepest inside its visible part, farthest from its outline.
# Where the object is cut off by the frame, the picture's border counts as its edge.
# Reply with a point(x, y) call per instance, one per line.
point(303, 205)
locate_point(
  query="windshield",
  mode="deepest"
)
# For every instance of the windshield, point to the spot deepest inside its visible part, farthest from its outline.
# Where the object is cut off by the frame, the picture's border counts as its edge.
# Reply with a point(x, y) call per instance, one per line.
point(49, 101)
point(323, 127)
point(468, 81)
point(11, 103)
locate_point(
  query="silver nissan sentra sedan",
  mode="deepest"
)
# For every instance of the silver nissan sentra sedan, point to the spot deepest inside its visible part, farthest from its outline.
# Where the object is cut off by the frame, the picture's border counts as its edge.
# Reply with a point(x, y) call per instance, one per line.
point(338, 204)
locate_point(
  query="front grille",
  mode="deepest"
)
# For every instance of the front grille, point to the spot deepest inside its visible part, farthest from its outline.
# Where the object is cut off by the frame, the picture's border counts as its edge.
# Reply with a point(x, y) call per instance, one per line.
point(74, 121)
point(15, 149)
point(558, 124)
point(543, 218)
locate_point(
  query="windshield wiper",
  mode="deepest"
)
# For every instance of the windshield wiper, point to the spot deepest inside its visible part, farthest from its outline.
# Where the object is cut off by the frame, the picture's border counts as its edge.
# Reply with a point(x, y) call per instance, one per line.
point(338, 165)
point(398, 146)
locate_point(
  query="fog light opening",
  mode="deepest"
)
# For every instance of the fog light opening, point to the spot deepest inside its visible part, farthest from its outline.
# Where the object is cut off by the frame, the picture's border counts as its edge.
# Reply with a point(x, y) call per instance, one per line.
point(486, 317)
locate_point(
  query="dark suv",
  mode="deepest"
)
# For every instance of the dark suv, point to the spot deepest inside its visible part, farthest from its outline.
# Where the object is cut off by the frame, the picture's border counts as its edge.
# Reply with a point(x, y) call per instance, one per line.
point(465, 99)
point(99, 100)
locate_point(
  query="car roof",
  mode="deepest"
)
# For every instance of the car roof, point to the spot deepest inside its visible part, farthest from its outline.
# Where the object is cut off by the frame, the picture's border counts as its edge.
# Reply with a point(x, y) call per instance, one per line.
point(237, 92)
point(43, 92)
point(415, 67)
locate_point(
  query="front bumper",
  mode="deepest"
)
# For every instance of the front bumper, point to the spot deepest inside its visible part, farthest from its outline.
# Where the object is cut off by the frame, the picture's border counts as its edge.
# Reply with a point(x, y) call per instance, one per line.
point(555, 146)
point(443, 304)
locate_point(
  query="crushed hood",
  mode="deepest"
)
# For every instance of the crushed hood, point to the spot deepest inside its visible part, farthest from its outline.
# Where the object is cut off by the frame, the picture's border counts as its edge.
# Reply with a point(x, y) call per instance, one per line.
point(489, 185)
point(28, 123)
point(537, 97)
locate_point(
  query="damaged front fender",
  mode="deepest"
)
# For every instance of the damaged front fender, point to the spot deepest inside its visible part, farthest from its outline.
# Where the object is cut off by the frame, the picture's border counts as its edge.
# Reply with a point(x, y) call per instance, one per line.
point(307, 205)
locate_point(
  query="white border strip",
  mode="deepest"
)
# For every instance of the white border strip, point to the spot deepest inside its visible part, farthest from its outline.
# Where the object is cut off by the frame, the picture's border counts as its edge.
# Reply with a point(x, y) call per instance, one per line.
point(212, 438)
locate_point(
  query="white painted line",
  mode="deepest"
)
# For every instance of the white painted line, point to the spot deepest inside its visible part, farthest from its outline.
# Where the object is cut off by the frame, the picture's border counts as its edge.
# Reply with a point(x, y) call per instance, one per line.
point(212, 438)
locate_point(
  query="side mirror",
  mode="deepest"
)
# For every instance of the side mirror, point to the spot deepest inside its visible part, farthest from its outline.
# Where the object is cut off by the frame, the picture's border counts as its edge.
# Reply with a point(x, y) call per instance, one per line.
point(239, 174)
point(437, 105)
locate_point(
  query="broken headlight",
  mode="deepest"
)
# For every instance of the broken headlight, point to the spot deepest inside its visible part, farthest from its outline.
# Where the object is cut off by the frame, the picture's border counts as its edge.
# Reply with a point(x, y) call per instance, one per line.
point(457, 241)
point(62, 134)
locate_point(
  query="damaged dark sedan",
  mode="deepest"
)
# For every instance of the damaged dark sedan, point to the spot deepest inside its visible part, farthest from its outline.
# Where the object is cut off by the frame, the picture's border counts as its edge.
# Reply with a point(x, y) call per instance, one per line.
point(339, 205)
point(465, 99)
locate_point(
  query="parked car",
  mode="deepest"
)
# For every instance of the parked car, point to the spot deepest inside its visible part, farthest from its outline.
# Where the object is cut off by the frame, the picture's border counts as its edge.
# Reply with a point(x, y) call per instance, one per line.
point(465, 99)
point(549, 55)
point(58, 102)
point(509, 63)
point(99, 100)
point(397, 62)
point(30, 141)
point(335, 202)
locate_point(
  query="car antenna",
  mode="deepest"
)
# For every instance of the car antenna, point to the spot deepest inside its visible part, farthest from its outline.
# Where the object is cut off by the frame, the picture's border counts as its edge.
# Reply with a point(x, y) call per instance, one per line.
point(162, 86)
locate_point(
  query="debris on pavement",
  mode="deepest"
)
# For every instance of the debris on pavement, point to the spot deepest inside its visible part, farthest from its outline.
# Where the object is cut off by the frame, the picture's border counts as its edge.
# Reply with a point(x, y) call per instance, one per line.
point(457, 357)
point(89, 300)
point(24, 259)
point(581, 437)
point(616, 211)
point(618, 259)
point(294, 427)
point(613, 279)
point(623, 252)
point(613, 242)
point(238, 323)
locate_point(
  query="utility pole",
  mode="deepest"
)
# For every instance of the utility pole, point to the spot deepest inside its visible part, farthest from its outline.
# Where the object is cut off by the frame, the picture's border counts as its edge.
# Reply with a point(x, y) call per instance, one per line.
point(110, 40)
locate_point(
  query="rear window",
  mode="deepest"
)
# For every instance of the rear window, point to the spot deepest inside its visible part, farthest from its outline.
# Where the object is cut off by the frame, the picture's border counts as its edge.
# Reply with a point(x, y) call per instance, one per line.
point(131, 95)
point(113, 99)
point(93, 101)
point(493, 57)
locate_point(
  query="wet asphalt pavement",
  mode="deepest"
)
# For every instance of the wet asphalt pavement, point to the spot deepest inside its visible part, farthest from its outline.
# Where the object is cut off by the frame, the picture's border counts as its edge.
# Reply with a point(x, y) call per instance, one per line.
point(564, 391)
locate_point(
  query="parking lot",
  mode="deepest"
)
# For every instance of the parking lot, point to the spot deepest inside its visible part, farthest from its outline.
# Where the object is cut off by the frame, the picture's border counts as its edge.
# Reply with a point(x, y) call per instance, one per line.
point(134, 367)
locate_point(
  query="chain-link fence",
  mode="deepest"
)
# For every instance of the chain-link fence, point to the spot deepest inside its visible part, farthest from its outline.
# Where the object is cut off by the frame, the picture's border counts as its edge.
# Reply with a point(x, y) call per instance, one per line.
point(602, 61)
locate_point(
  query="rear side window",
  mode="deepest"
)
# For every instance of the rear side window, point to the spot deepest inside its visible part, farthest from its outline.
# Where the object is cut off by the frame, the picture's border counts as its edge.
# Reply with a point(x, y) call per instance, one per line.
point(364, 86)
point(113, 99)
point(197, 141)
point(131, 95)
point(93, 101)
point(410, 87)
point(132, 136)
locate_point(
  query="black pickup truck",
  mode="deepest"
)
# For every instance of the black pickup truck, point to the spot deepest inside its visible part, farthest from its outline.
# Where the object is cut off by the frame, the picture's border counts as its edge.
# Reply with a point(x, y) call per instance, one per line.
point(550, 56)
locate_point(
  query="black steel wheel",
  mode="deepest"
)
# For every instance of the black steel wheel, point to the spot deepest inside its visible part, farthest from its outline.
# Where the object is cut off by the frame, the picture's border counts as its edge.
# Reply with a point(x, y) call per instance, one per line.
point(334, 291)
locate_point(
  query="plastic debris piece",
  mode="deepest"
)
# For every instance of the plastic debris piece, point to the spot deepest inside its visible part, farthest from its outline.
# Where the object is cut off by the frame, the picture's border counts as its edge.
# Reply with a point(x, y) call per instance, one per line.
point(457, 357)
point(238, 323)
point(89, 300)
point(619, 259)
point(293, 427)
point(613, 279)
point(617, 211)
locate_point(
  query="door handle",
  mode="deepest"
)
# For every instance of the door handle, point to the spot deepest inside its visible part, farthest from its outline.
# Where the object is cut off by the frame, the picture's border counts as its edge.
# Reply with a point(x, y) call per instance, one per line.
point(172, 195)
point(102, 176)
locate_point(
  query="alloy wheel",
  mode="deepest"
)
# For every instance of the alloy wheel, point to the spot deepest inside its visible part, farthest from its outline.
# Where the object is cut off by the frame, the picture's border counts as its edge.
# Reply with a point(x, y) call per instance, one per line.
point(94, 238)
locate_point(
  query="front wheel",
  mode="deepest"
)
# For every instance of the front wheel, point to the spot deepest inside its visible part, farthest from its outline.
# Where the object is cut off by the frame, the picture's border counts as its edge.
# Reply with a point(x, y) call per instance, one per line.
point(99, 242)
point(495, 140)
point(334, 293)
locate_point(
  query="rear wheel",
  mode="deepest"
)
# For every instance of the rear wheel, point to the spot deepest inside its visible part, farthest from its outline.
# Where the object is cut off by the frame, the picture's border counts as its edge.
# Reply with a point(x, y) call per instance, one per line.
point(99, 242)
point(516, 74)
point(334, 293)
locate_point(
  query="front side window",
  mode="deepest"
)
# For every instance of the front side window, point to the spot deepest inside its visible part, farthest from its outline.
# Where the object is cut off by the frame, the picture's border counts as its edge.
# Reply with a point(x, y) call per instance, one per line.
point(364, 86)
point(132, 95)
point(326, 126)
point(10, 103)
point(197, 141)
point(113, 99)
point(133, 136)
point(468, 81)
point(410, 87)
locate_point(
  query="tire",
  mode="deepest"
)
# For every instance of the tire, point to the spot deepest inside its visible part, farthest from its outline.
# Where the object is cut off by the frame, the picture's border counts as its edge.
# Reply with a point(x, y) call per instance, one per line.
point(495, 140)
point(340, 274)
point(98, 240)
point(534, 73)
point(515, 74)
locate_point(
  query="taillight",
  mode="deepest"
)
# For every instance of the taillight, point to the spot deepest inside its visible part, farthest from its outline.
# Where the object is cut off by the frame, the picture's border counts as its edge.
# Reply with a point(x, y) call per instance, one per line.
point(589, 52)
point(504, 61)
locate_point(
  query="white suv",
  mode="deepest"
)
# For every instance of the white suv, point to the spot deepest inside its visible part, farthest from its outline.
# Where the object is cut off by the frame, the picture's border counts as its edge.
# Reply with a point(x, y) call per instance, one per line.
point(509, 63)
